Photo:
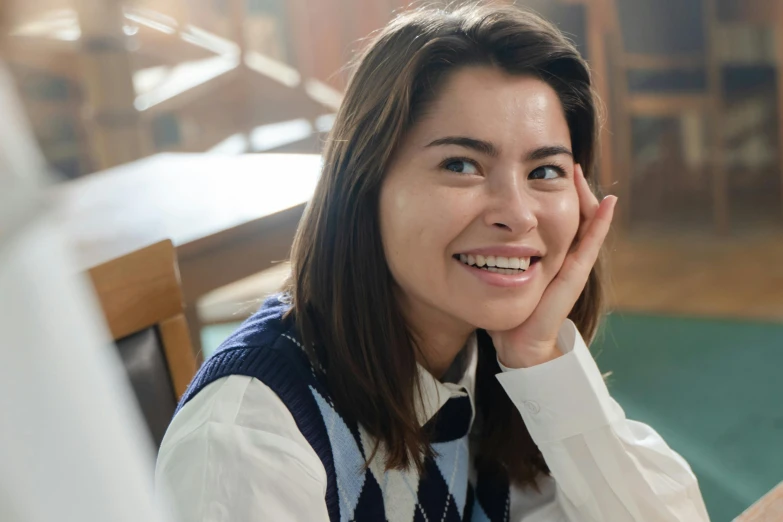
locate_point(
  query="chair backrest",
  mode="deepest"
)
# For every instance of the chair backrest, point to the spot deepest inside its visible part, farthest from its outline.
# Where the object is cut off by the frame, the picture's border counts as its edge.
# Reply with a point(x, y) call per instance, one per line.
point(666, 54)
point(142, 302)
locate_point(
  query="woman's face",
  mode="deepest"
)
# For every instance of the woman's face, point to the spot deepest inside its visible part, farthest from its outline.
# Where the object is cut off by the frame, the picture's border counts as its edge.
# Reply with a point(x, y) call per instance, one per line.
point(481, 186)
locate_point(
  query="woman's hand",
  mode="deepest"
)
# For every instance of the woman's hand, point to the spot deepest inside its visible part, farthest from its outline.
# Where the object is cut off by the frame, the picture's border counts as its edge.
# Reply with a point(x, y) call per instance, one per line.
point(535, 341)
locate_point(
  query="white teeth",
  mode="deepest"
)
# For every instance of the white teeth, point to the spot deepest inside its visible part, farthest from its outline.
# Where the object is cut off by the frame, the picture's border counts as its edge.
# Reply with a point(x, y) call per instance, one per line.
point(499, 264)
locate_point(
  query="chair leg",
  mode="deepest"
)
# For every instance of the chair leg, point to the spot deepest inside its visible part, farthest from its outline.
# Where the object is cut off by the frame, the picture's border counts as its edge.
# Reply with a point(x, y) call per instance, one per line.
point(624, 174)
point(720, 200)
point(779, 52)
point(716, 163)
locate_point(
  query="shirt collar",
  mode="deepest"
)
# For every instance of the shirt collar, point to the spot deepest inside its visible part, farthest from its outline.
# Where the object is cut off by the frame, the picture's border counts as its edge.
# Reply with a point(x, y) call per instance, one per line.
point(434, 394)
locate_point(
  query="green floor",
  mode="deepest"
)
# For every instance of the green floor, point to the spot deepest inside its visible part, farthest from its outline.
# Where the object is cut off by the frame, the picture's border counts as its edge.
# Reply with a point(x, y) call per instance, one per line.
point(713, 389)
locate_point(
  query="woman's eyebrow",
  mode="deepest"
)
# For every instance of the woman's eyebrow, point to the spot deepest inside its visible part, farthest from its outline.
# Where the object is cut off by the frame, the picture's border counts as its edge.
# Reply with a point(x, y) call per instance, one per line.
point(548, 151)
point(488, 149)
point(484, 147)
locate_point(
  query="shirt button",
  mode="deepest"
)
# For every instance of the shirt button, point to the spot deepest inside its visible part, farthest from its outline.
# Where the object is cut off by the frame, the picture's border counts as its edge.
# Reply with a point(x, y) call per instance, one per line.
point(532, 407)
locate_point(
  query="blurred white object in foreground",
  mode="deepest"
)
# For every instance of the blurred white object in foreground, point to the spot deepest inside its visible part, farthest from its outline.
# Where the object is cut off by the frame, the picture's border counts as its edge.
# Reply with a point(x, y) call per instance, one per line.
point(72, 443)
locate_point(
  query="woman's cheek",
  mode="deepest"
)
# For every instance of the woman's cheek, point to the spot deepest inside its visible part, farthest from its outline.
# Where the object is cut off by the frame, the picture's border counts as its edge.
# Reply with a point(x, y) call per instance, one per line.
point(408, 219)
point(563, 221)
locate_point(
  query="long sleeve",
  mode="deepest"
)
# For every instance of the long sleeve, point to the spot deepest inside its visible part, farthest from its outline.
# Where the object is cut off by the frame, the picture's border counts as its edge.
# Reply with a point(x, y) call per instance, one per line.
point(234, 453)
point(604, 466)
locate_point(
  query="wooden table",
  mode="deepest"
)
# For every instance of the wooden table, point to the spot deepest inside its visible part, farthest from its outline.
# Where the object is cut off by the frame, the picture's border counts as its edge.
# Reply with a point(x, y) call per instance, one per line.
point(228, 216)
point(768, 509)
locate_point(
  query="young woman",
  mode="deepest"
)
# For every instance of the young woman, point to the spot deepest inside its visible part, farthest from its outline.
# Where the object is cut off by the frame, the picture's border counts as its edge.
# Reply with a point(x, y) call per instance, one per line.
point(426, 361)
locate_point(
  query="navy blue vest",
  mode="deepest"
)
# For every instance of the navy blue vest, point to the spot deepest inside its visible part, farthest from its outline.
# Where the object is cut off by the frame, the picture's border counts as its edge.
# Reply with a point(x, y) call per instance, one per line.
point(268, 348)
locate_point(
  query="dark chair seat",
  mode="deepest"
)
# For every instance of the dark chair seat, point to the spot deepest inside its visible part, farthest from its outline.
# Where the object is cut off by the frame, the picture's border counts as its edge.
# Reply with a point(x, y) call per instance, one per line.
point(145, 363)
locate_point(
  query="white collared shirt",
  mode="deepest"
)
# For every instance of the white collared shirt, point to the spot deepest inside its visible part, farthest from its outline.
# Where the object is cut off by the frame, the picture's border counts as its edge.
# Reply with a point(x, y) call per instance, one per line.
point(234, 452)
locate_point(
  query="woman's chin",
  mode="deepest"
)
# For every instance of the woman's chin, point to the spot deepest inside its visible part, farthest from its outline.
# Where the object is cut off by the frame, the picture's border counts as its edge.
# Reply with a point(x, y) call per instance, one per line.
point(500, 320)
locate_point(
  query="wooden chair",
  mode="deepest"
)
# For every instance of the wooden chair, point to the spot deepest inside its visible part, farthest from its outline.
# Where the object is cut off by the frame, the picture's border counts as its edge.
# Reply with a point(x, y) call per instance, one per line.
point(142, 303)
point(761, 15)
point(716, 101)
point(664, 77)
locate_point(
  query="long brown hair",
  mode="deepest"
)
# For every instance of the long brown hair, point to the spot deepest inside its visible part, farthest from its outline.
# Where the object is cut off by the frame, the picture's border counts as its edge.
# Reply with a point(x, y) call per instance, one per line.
point(341, 287)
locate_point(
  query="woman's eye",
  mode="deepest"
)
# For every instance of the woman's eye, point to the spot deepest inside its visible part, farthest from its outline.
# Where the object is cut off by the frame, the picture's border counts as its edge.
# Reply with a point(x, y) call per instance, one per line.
point(461, 166)
point(547, 172)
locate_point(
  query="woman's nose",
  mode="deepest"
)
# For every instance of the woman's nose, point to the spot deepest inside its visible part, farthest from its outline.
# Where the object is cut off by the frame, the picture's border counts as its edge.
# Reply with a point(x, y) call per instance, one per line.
point(511, 208)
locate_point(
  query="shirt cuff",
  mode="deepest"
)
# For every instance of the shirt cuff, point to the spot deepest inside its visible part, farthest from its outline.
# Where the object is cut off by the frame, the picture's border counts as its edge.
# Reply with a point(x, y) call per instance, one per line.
point(563, 397)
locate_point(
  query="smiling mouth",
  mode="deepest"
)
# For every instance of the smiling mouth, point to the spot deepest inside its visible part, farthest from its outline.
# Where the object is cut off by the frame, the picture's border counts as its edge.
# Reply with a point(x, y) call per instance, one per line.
point(498, 264)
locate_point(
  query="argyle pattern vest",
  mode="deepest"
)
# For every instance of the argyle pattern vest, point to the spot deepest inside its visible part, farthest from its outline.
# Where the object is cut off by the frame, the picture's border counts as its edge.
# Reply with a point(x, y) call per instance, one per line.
point(268, 348)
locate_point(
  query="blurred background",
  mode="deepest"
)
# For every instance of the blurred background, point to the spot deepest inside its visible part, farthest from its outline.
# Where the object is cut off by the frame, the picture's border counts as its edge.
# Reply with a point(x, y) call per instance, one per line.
point(201, 121)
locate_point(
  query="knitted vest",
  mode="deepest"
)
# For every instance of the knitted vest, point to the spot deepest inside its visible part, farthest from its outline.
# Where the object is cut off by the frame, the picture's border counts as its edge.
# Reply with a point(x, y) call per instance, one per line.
point(268, 349)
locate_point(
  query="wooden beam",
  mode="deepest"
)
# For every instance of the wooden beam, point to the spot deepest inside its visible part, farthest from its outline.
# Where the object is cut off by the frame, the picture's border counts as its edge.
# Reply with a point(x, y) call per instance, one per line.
point(319, 30)
point(714, 110)
point(113, 122)
point(663, 105)
point(664, 62)
point(596, 43)
point(779, 60)
point(174, 13)
point(195, 94)
point(238, 15)
point(622, 117)
point(299, 37)
point(758, 11)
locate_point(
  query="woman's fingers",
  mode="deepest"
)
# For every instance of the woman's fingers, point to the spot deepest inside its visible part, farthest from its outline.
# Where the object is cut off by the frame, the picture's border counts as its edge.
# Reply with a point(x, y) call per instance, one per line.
point(566, 287)
point(581, 260)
